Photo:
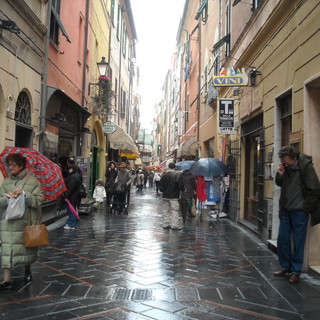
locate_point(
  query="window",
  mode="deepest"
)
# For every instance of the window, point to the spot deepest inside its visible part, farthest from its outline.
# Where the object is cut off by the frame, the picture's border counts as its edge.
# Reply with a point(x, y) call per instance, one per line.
point(116, 92)
point(118, 21)
point(228, 28)
point(286, 118)
point(23, 109)
point(54, 26)
point(112, 11)
point(255, 4)
point(123, 103)
point(124, 40)
point(203, 11)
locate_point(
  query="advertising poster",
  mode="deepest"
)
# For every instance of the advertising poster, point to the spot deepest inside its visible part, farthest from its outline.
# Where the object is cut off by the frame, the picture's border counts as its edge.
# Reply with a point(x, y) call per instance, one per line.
point(226, 116)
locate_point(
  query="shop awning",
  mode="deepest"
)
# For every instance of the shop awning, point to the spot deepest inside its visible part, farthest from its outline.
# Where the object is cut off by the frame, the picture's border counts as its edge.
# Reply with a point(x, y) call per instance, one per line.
point(188, 147)
point(65, 100)
point(122, 141)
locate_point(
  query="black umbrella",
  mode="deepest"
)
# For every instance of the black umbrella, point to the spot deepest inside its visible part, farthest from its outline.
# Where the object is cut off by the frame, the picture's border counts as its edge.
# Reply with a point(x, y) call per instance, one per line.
point(208, 167)
point(184, 165)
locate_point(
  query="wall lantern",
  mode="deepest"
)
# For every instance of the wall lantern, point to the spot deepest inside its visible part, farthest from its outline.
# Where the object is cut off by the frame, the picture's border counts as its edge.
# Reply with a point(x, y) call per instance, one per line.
point(103, 67)
point(103, 94)
point(253, 76)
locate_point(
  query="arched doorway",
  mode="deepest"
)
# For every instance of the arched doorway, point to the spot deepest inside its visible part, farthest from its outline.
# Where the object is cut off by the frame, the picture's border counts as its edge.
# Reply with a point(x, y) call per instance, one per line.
point(24, 131)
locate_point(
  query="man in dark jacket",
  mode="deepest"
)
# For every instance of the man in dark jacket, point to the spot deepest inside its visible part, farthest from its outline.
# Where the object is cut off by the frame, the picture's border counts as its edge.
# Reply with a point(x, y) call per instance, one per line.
point(300, 190)
point(188, 195)
point(111, 175)
point(73, 195)
point(170, 185)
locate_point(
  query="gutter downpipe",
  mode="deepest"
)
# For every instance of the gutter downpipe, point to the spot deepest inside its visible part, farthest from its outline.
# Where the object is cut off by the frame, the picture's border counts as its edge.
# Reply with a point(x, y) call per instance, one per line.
point(199, 87)
point(44, 89)
point(85, 54)
point(84, 64)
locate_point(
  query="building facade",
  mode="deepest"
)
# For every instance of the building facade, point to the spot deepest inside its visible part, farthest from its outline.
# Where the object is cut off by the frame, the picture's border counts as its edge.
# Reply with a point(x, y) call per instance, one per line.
point(274, 46)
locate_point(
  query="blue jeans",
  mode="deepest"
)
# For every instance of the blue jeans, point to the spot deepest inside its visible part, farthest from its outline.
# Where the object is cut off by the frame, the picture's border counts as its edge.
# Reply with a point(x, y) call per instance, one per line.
point(72, 219)
point(292, 224)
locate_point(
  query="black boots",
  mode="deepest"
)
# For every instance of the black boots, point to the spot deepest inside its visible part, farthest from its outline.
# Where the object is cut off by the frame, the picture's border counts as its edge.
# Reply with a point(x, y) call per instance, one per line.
point(27, 273)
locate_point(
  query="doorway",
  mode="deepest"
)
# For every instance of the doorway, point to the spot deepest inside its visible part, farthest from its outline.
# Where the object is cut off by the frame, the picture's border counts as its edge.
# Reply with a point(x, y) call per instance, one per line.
point(253, 141)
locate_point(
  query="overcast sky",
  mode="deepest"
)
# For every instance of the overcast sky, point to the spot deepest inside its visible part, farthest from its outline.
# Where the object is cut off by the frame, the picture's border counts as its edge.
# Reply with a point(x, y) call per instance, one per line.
point(156, 23)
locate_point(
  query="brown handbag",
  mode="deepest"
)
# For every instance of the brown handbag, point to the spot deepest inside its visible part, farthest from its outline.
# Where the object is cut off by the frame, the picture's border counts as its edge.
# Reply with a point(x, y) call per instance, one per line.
point(35, 235)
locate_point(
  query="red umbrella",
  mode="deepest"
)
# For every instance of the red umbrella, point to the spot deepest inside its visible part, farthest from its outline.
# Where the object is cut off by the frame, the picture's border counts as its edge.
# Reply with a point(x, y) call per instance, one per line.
point(47, 172)
point(160, 166)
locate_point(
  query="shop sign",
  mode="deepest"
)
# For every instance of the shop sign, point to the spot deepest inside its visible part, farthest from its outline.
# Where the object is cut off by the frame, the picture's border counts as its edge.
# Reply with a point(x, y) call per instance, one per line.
point(226, 116)
point(109, 127)
point(230, 78)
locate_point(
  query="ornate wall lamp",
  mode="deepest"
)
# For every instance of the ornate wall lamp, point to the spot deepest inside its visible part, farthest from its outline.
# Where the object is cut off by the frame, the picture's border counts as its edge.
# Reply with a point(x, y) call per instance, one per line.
point(253, 76)
point(103, 94)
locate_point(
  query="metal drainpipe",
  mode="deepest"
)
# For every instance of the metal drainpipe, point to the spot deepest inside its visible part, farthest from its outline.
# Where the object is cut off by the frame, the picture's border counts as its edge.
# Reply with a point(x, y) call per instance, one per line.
point(44, 91)
point(84, 63)
point(199, 85)
point(120, 58)
point(85, 54)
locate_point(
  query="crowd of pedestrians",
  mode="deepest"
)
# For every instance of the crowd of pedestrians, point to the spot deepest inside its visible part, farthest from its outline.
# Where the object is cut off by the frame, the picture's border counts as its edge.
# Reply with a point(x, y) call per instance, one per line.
point(181, 192)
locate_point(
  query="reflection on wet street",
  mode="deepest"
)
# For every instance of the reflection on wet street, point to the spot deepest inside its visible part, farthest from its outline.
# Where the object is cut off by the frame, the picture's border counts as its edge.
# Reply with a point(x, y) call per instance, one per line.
point(129, 267)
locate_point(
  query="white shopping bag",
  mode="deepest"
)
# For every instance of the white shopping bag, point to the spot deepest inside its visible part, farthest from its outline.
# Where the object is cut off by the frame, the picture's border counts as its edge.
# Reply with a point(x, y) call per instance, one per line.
point(15, 208)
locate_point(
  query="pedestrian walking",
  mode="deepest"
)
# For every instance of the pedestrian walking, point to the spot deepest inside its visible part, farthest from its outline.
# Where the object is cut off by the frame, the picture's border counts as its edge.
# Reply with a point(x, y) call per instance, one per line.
point(111, 175)
point(132, 174)
point(300, 191)
point(170, 185)
point(73, 195)
point(156, 179)
point(99, 194)
point(13, 251)
point(125, 177)
point(151, 177)
point(188, 194)
point(140, 180)
point(146, 178)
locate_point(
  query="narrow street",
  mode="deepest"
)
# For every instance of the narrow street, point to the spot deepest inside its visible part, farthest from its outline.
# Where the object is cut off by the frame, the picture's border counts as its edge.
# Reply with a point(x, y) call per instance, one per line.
point(128, 267)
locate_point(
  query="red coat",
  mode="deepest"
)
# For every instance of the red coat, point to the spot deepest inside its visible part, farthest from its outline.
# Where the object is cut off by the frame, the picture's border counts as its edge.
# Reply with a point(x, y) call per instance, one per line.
point(201, 189)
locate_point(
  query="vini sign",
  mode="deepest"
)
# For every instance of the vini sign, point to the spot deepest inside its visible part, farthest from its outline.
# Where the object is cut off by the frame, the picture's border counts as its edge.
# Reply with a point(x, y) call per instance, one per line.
point(230, 78)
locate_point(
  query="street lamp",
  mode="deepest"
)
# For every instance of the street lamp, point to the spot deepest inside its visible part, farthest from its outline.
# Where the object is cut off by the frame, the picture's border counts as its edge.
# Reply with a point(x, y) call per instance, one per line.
point(103, 94)
point(103, 66)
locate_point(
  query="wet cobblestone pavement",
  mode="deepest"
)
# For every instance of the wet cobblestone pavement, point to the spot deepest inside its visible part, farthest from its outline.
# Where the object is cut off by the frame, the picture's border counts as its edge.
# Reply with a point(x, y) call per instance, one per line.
point(128, 267)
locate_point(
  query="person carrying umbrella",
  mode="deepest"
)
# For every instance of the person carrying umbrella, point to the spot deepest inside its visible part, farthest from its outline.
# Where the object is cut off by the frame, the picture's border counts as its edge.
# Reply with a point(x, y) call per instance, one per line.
point(73, 195)
point(13, 251)
point(170, 185)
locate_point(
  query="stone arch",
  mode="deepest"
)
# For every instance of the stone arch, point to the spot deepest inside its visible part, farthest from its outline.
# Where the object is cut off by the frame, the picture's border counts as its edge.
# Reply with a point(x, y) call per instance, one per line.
point(23, 118)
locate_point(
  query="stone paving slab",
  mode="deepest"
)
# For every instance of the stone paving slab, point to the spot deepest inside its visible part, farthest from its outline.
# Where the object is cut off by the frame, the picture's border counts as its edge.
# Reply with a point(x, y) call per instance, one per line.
point(128, 267)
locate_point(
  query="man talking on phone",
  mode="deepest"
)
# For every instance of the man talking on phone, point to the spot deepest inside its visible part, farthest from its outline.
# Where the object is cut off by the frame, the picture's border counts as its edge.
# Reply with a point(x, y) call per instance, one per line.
point(300, 191)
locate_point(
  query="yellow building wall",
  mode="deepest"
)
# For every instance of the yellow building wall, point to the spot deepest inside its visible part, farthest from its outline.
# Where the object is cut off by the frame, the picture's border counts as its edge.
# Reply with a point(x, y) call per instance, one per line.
point(99, 47)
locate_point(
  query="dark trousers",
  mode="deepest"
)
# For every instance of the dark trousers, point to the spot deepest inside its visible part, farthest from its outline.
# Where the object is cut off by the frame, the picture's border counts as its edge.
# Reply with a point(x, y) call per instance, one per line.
point(157, 185)
point(292, 224)
point(108, 200)
point(128, 194)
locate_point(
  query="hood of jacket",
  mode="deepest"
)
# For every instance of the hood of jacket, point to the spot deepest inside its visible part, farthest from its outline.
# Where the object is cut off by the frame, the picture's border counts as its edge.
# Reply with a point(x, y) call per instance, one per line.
point(304, 160)
point(115, 164)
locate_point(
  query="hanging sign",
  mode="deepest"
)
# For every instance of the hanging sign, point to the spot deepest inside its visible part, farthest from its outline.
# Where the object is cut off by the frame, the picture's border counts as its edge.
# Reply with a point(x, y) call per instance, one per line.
point(109, 127)
point(230, 78)
point(226, 116)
